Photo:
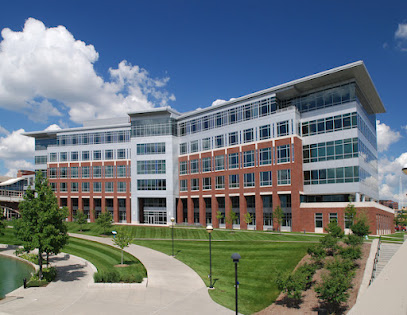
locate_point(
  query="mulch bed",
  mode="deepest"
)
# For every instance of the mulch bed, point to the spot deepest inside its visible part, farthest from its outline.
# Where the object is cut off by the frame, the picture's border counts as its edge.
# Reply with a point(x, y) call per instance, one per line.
point(310, 303)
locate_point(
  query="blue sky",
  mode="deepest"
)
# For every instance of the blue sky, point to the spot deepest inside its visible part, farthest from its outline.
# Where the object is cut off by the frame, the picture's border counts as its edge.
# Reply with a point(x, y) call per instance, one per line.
point(187, 54)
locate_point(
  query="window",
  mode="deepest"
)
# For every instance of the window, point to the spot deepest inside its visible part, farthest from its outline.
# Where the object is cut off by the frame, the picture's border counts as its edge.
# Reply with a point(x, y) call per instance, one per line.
point(74, 187)
point(283, 153)
point(109, 187)
point(183, 167)
point(266, 179)
point(206, 164)
point(264, 132)
point(53, 157)
point(63, 187)
point(219, 162)
point(233, 138)
point(349, 174)
point(194, 166)
point(183, 185)
point(206, 144)
point(233, 160)
point(284, 177)
point(248, 135)
point(151, 184)
point(318, 220)
point(219, 141)
point(121, 170)
point(63, 172)
point(234, 181)
point(74, 172)
point(206, 183)
point(248, 158)
point(249, 180)
point(333, 217)
point(74, 156)
point(97, 187)
point(85, 187)
point(63, 156)
point(195, 184)
point(97, 155)
point(53, 172)
point(109, 171)
point(282, 128)
point(151, 148)
point(194, 146)
point(150, 167)
point(265, 156)
point(183, 148)
point(220, 182)
point(121, 187)
point(97, 171)
point(85, 155)
point(348, 221)
point(53, 186)
point(121, 154)
point(108, 154)
point(85, 172)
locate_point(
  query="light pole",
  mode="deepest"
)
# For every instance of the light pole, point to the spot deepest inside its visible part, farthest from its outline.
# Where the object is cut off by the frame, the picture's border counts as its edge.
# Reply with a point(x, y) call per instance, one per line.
point(172, 234)
point(209, 228)
point(236, 257)
point(404, 169)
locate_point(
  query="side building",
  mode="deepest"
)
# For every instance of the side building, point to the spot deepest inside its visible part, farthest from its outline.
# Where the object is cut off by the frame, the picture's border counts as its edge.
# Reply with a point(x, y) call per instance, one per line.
point(308, 146)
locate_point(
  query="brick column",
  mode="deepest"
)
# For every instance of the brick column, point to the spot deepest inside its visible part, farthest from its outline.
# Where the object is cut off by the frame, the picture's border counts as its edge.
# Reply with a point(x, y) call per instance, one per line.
point(190, 206)
point(92, 210)
point(103, 205)
point(69, 204)
point(296, 214)
point(128, 209)
point(228, 209)
point(116, 210)
point(276, 202)
point(259, 212)
point(243, 211)
point(180, 211)
point(202, 211)
point(215, 209)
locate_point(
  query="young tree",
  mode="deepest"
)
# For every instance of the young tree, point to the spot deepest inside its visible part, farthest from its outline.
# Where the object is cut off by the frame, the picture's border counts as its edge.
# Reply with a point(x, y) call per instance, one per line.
point(248, 218)
point(42, 223)
point(334, 229)
point(278, 217)
point(123, 239)
point(361, 226)
point(232, 217)
point(81, 218)
point(350, 215)
point(105, 221)
point(219, 215)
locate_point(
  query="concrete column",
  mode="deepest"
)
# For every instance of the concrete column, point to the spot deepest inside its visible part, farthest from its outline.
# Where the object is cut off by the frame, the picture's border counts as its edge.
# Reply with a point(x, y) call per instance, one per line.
point(357, 197)
point(202, 211)
point(180, 211)
point(215, 209)
point(243, 211)
point(128, 209)
point(259, 212)
point(228, 209)
point(190, 206)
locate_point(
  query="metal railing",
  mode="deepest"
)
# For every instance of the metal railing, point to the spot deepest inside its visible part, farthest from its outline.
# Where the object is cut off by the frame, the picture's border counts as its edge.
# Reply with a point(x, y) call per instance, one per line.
point(11, 193)
point(376, 260)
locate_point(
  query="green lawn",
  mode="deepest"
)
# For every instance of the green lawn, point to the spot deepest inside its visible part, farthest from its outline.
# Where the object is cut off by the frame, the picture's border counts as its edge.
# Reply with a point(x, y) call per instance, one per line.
point(197, 233)
point(9, 238)
point(257, 268)
point(104, 257)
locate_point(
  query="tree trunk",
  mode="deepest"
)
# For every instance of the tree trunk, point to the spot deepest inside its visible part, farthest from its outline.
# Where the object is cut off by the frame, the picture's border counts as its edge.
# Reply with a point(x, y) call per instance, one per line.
point(122, 256)
point(47, 259)
point(40, 263)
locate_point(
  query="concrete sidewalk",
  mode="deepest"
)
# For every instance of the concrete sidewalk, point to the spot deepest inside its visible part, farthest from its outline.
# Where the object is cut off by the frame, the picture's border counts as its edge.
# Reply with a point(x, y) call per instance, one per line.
point(173, 288)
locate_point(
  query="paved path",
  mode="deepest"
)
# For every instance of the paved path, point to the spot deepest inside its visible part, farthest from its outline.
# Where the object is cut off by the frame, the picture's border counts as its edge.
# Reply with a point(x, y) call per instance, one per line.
point(173, 288)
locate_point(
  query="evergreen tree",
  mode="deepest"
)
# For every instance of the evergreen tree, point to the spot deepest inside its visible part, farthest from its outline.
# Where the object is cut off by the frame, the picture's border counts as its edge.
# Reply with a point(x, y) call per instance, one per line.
point(42, 223)
point(81, 218)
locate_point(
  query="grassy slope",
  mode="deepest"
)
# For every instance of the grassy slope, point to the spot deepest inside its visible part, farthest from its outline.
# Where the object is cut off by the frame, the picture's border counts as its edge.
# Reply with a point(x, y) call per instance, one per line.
point(256, 270)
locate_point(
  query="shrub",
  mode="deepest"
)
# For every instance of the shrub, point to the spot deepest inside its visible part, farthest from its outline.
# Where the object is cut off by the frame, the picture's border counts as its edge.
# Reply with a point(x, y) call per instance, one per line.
point(49, 274)
point(317, 252)
point(132, 278)
point(340, 266)
point(351, 252)
point(334, 289)
point(107, 276)
point(354, 240)
point(330, 243)
point(30, 257)
point(361, 226)
point(334, 229)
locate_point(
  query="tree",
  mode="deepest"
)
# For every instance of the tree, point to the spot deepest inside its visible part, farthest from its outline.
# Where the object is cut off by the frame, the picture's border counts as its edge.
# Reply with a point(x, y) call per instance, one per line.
point(350, 214)
point(81, 218)
point(105, 221)
point(123, 239)
point(42, 223)
point(248, 218)
point(334, 229)
point(232, 217)
point(2, 227)
point(361, 226)
point(219, 215)
point(277, 216)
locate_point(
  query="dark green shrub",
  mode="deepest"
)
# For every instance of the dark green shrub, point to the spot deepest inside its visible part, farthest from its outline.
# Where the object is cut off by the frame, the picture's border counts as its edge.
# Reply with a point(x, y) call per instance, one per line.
point(111, 276)
point(317, 252)
point(339, 266)
point(330, 243)
point(360, 228)
point(132, 278)
point(351, 252)
point(354, 240)
point(36, 283)
point(49, 274)
point(334, 289)
point(334, 229)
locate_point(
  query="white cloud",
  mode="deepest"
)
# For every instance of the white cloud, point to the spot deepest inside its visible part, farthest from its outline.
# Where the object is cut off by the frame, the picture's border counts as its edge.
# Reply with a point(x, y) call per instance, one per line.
point(219, 101)
point(385, 136)
point(53, 127)
point(3, 131)
point(401, 32)
point(45, 72)
point(14, 166)
point(15, 146)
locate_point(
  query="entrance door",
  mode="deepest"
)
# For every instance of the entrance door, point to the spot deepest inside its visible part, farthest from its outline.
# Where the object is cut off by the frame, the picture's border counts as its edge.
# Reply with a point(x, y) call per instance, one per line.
point(151, 219)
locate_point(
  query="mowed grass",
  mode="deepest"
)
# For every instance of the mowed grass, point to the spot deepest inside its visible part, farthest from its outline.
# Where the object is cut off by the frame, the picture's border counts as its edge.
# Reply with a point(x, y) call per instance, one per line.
point(196, 233)
point(9, 237)
point(257, 269)
point(104, 257)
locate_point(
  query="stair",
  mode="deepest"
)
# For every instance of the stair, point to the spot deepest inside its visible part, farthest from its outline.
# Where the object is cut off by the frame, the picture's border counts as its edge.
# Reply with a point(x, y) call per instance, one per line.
point(386, 253)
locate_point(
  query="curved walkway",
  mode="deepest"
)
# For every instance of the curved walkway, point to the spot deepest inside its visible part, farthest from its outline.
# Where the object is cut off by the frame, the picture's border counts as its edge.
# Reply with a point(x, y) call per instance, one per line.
point(172, 288)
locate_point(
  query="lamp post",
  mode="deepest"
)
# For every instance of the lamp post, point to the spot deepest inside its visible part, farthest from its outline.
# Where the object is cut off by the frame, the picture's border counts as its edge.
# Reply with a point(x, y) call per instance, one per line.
point(236, 257)
point(209, 228)
point(172, 234)
point(404, 169)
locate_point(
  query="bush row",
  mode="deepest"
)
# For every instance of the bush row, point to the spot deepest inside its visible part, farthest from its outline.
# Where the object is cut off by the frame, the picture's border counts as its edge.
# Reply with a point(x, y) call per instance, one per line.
point(113, 276)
